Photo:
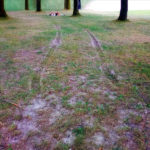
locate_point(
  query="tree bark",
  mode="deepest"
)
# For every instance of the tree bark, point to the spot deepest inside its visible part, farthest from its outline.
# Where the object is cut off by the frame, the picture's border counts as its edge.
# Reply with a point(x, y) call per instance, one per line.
point(2, 10)
point(76, 10)
point(38, 5)
point(124, 10)
point(26, 5)
point(67, 4)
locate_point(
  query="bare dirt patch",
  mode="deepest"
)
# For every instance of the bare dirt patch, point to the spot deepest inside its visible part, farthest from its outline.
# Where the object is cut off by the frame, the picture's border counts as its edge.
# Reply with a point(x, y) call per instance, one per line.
point(32, 58)
point(36, 119)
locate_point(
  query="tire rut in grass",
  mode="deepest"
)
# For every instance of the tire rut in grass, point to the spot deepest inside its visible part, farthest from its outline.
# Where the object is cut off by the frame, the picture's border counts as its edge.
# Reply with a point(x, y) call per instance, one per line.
point(57, 41)
point(95, 43)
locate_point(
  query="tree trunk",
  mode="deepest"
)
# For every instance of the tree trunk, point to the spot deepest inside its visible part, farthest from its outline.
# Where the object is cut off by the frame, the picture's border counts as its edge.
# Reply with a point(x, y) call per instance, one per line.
point(67, 4)
point(2, 10)
point(76, 10)
point(26, 5)
point(38, 5)
point(124, 10)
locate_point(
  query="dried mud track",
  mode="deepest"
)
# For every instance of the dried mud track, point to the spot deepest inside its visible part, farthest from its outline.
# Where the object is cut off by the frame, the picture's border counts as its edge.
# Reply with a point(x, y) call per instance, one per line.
point(95, 43)
point(57, 40)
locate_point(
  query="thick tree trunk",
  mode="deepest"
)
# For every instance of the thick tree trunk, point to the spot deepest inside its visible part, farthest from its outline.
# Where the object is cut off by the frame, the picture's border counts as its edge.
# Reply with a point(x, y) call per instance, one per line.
point(124, 10)
point(2, 10)
point(38, 5)
point(76, 10)
point(26, 5)
point(67, 4)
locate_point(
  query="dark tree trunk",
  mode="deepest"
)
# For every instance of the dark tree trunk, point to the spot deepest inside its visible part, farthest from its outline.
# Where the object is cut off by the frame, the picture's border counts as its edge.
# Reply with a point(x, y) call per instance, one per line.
point(38, 5)
point(26, 5)
point(2, 10)
point(67, 4)
point(76, 10)
point(124, 10)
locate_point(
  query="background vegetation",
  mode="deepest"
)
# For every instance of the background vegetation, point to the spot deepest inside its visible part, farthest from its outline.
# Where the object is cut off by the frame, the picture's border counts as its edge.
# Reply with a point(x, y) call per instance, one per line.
point(11, 5)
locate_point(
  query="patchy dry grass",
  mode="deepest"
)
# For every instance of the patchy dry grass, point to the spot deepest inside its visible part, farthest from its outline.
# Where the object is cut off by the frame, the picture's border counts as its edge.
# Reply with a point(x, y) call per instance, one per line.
point(73, 96)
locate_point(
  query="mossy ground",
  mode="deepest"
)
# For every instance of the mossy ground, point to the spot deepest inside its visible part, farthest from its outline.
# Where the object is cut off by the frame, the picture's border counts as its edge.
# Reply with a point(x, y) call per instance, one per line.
point(82, 107)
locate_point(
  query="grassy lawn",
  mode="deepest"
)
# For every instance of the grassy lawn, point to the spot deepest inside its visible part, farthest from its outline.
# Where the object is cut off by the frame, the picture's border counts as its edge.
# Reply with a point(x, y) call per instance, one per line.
point(74, 96)
point(132, 14)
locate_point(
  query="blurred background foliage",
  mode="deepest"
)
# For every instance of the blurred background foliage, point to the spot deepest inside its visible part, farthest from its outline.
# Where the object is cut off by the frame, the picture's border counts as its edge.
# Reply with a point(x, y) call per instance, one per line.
point(14, 5)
